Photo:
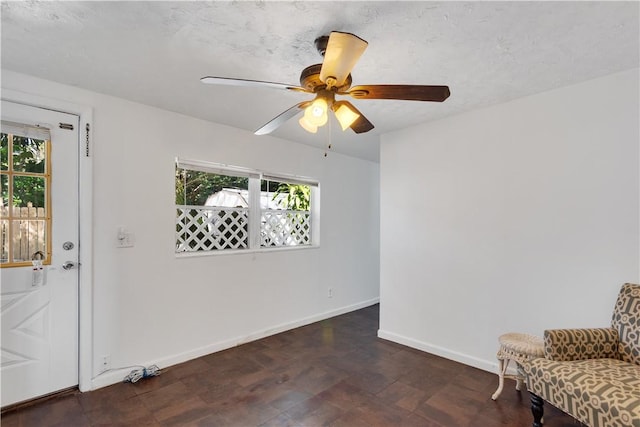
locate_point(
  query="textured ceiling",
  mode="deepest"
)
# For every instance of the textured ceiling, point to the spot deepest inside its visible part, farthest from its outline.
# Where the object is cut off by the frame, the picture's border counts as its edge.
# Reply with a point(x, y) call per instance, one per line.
point(156, 52)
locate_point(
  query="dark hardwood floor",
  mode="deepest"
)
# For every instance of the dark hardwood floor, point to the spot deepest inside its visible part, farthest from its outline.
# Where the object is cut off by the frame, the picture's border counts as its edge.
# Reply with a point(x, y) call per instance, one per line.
point(331, 373)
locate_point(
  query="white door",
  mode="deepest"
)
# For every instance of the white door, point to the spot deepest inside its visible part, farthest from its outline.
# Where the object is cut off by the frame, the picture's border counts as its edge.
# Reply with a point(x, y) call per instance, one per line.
point(39, 312)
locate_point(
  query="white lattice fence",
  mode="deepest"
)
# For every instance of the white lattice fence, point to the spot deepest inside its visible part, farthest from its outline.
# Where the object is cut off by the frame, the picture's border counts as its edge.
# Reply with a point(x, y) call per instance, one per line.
point(285, 228)
point(206, 228)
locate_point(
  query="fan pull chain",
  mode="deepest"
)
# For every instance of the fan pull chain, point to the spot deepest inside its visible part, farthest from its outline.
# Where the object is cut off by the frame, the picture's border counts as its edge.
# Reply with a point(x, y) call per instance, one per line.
point(328, 137)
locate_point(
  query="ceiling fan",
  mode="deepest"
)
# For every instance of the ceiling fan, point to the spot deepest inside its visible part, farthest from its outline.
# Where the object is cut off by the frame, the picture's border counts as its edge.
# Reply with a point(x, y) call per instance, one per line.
point(341, 51)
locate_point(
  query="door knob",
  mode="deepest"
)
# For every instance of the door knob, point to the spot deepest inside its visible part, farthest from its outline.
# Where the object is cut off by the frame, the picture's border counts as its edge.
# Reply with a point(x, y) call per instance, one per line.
point(69, 265)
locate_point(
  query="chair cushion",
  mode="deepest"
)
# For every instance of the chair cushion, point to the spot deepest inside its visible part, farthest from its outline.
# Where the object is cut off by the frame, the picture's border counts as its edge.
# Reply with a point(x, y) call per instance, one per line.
point(598, 392)
point(626, 319)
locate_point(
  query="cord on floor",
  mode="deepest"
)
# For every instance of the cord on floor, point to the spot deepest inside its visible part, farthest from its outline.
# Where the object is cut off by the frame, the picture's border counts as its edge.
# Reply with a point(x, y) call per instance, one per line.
point(138, 374)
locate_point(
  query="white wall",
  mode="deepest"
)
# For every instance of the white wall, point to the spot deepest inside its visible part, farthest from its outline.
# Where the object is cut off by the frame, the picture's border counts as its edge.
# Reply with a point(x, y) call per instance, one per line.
point(151, 307)
point(519, 217)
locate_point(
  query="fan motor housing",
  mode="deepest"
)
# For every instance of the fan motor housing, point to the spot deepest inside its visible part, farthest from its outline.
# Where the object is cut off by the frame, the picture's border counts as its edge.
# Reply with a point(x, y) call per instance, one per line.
point(310, 79)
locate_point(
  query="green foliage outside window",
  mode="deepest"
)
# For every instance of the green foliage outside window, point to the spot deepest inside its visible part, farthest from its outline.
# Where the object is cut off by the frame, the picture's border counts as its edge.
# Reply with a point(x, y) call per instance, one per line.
point(298, 196)
point(194, 187)
point(28, 157)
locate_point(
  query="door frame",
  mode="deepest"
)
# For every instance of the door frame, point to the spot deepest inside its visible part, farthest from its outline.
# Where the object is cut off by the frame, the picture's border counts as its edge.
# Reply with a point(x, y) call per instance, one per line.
point(85, 221)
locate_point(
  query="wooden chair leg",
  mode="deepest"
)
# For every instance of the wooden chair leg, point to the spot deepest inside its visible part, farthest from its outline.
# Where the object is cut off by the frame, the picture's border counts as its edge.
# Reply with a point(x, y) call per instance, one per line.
point(537, 409)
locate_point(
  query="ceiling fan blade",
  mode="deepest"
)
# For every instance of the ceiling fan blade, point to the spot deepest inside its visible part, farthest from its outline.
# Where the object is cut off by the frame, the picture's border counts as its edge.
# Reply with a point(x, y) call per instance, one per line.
point(281, 118)
point(403, 92)
point(361, 124)
point(227, 81)
point(343, 51)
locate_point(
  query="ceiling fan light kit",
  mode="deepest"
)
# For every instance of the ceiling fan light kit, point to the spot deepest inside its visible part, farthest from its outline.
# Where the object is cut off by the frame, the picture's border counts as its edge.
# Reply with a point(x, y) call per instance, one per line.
point(316, 113)
point(341, 52)
point(345, 115)
point(309, 127)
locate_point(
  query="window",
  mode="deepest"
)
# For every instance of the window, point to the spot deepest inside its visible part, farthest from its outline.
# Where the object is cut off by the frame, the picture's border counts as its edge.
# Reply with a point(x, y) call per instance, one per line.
point(285, 215)
point(25, 217)
point(221, 208)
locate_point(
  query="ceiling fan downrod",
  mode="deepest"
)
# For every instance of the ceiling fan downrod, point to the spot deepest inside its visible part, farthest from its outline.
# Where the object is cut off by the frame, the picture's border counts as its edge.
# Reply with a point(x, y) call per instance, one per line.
point(321, 44)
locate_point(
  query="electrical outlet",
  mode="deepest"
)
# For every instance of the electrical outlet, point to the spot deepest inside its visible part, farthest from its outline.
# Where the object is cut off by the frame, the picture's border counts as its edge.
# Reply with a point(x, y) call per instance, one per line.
point(330, 293)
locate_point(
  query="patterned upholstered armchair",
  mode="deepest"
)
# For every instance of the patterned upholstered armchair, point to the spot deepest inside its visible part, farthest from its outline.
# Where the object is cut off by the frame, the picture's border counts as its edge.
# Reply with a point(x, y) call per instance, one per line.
point(592, 374)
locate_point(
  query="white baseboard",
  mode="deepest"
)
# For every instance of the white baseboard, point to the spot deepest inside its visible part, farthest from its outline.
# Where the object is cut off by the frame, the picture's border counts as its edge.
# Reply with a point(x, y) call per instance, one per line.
point(114, 376)
point(485, 365)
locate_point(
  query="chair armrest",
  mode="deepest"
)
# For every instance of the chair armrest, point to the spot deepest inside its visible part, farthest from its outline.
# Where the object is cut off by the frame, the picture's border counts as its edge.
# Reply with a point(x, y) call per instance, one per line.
point(581, 344)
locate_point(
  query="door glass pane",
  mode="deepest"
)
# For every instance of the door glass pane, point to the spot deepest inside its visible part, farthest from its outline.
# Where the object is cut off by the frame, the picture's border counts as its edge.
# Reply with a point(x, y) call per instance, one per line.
point(28, 237)
point(28, 228)
point(4, 194)
point(25, 226)
point(4, 241)
point(4, 152)
point(28, 192)
point(28, 154)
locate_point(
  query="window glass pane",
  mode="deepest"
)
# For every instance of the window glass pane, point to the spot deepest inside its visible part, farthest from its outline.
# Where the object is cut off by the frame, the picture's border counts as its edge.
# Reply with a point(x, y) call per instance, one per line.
point(180, 175)
point(285, 218)
point(4, 194)
point(217, 212)
point(29, 191)
point(29, 154)
point(195, 187)
point(4, 152)
point(283, 195)
point(269, 186)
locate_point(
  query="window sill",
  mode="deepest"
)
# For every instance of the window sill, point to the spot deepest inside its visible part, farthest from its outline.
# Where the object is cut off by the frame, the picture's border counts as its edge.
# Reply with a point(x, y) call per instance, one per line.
point(244, 251)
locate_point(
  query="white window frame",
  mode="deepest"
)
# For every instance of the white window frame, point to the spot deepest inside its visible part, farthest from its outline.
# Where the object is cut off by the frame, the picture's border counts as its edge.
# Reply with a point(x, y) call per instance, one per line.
point(255, 212)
